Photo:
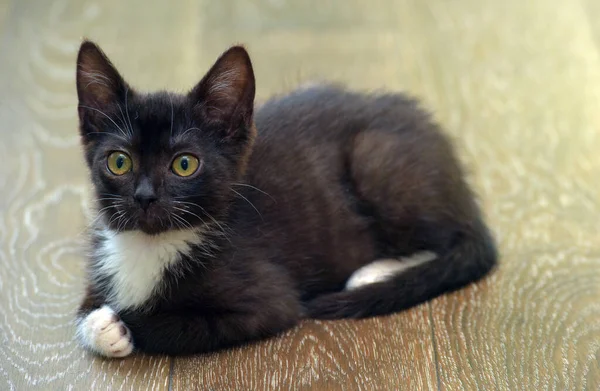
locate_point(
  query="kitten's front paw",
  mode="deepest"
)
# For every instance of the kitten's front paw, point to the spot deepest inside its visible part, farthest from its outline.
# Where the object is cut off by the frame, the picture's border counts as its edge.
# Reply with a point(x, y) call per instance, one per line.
point(103, 331)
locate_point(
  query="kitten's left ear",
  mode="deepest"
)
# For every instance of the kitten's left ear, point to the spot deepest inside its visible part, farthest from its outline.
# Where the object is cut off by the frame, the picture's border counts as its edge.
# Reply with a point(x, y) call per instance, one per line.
point(225, 96)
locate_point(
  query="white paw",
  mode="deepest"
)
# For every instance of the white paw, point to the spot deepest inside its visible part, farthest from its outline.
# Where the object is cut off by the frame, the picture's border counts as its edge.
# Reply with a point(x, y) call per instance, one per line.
point(103, 331)
point(385, 269)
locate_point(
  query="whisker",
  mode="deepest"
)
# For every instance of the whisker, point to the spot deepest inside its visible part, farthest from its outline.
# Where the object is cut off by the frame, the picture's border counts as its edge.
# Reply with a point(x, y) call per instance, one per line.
point(255, 188)
point(110, 195)
point(191, 213)
point(127, 109)
point(248, 201)
point(170, 221)
point(110, 134)
point(116, 217)
point(119, 222)
point(186, 131)
point(107, 116)
point(99, 215)
point(185, 203)
point(171, 100)
point(122, 225)
point(216, 222)
point(184, 224)
point(129, 131)
point(103, 209)
point(115, 199)
point(161, 222)
point(188, 212)
point(224, 230)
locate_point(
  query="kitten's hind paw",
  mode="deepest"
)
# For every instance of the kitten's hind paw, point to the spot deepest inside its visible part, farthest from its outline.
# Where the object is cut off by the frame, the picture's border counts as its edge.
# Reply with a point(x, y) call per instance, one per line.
point(103, 332)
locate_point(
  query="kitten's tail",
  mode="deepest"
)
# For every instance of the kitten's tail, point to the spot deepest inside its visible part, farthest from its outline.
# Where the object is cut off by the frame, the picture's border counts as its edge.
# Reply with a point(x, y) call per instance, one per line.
point(471, 257)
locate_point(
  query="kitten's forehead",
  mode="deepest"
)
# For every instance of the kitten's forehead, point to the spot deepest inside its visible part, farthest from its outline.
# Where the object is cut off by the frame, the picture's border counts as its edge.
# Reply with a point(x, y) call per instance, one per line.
point(161, 107)
point(160, 117)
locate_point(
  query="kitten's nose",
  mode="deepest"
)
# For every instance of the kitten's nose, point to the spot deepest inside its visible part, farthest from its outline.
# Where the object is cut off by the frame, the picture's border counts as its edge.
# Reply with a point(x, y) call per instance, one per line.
point(145, 200)
point(145, 194)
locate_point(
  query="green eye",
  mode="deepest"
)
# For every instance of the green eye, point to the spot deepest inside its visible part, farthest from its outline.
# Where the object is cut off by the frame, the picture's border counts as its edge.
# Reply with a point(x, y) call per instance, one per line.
point(119, 163)
point(185, 165)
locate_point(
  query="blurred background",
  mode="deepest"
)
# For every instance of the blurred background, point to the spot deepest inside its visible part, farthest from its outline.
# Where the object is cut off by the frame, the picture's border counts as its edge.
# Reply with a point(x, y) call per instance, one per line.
point(515, 83)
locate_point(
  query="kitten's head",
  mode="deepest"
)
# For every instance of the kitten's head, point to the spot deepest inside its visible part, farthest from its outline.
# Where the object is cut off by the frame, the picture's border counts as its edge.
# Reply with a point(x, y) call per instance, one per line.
point(165, 161)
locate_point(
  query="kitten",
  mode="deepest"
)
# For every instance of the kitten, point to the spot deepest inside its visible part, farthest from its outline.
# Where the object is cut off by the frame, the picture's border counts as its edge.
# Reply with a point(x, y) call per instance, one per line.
point(212, 231)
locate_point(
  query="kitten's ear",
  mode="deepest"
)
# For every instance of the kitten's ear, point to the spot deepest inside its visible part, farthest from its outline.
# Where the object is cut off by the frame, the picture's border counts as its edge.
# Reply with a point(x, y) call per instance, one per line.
point(226, 94)
point(99, 85)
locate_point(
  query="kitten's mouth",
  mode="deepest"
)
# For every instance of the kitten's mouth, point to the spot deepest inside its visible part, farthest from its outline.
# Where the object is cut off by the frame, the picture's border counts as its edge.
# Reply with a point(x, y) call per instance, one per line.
point(150, 229)
point(150, 223)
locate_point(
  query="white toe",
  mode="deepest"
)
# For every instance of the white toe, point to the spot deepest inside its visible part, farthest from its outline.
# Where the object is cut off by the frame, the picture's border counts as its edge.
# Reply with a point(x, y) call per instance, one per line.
point(102, 331)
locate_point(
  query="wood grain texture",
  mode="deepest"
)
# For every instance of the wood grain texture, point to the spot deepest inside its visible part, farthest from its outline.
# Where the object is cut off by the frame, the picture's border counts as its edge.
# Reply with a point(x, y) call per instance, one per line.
point(531, 99)
point(517, 84)
point(359, 355)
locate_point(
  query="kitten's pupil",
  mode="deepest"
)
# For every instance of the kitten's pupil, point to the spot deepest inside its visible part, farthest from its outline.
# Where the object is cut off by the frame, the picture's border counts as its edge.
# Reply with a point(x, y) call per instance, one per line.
point(184, 163)
point(120, 161)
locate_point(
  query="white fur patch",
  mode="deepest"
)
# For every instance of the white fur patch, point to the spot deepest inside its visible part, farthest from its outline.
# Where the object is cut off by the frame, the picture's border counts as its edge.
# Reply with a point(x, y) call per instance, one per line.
point(103, 332)
point(136, 262)
point(385, 269)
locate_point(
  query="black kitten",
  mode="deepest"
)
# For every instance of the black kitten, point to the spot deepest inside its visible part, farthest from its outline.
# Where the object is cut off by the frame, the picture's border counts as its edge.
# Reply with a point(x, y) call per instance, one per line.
point(211, 234)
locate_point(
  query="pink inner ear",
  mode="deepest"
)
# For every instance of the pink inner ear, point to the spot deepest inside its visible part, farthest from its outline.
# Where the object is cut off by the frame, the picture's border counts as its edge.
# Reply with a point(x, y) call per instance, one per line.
point(226, 93)
point(98, 82)
point(97, 85)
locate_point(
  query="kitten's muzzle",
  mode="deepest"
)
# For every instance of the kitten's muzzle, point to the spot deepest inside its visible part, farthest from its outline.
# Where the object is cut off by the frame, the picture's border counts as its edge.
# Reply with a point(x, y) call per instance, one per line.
point(151, 219)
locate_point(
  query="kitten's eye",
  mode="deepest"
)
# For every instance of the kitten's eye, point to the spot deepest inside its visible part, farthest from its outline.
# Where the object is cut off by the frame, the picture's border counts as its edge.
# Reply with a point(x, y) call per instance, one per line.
point(119, 163)
point(185, 165)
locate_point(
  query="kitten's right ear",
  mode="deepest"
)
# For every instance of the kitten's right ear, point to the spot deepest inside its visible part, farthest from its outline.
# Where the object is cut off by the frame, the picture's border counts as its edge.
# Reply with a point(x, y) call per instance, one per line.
point(226, 93)
point(99, 85)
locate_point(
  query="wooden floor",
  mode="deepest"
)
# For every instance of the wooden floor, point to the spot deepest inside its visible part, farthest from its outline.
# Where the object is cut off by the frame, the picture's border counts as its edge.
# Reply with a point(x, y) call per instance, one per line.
point(516, 83)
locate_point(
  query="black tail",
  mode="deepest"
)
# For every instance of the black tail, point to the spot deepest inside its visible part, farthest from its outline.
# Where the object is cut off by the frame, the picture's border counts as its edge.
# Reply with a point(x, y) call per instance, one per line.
point(471, 257)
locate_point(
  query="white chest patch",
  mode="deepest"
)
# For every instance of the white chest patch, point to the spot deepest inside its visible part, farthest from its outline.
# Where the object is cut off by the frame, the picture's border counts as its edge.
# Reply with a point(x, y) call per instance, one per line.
point(136, 262)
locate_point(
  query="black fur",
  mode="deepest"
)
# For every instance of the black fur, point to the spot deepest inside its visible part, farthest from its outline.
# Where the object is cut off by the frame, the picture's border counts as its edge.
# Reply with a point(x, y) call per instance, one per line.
point(332, 181)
